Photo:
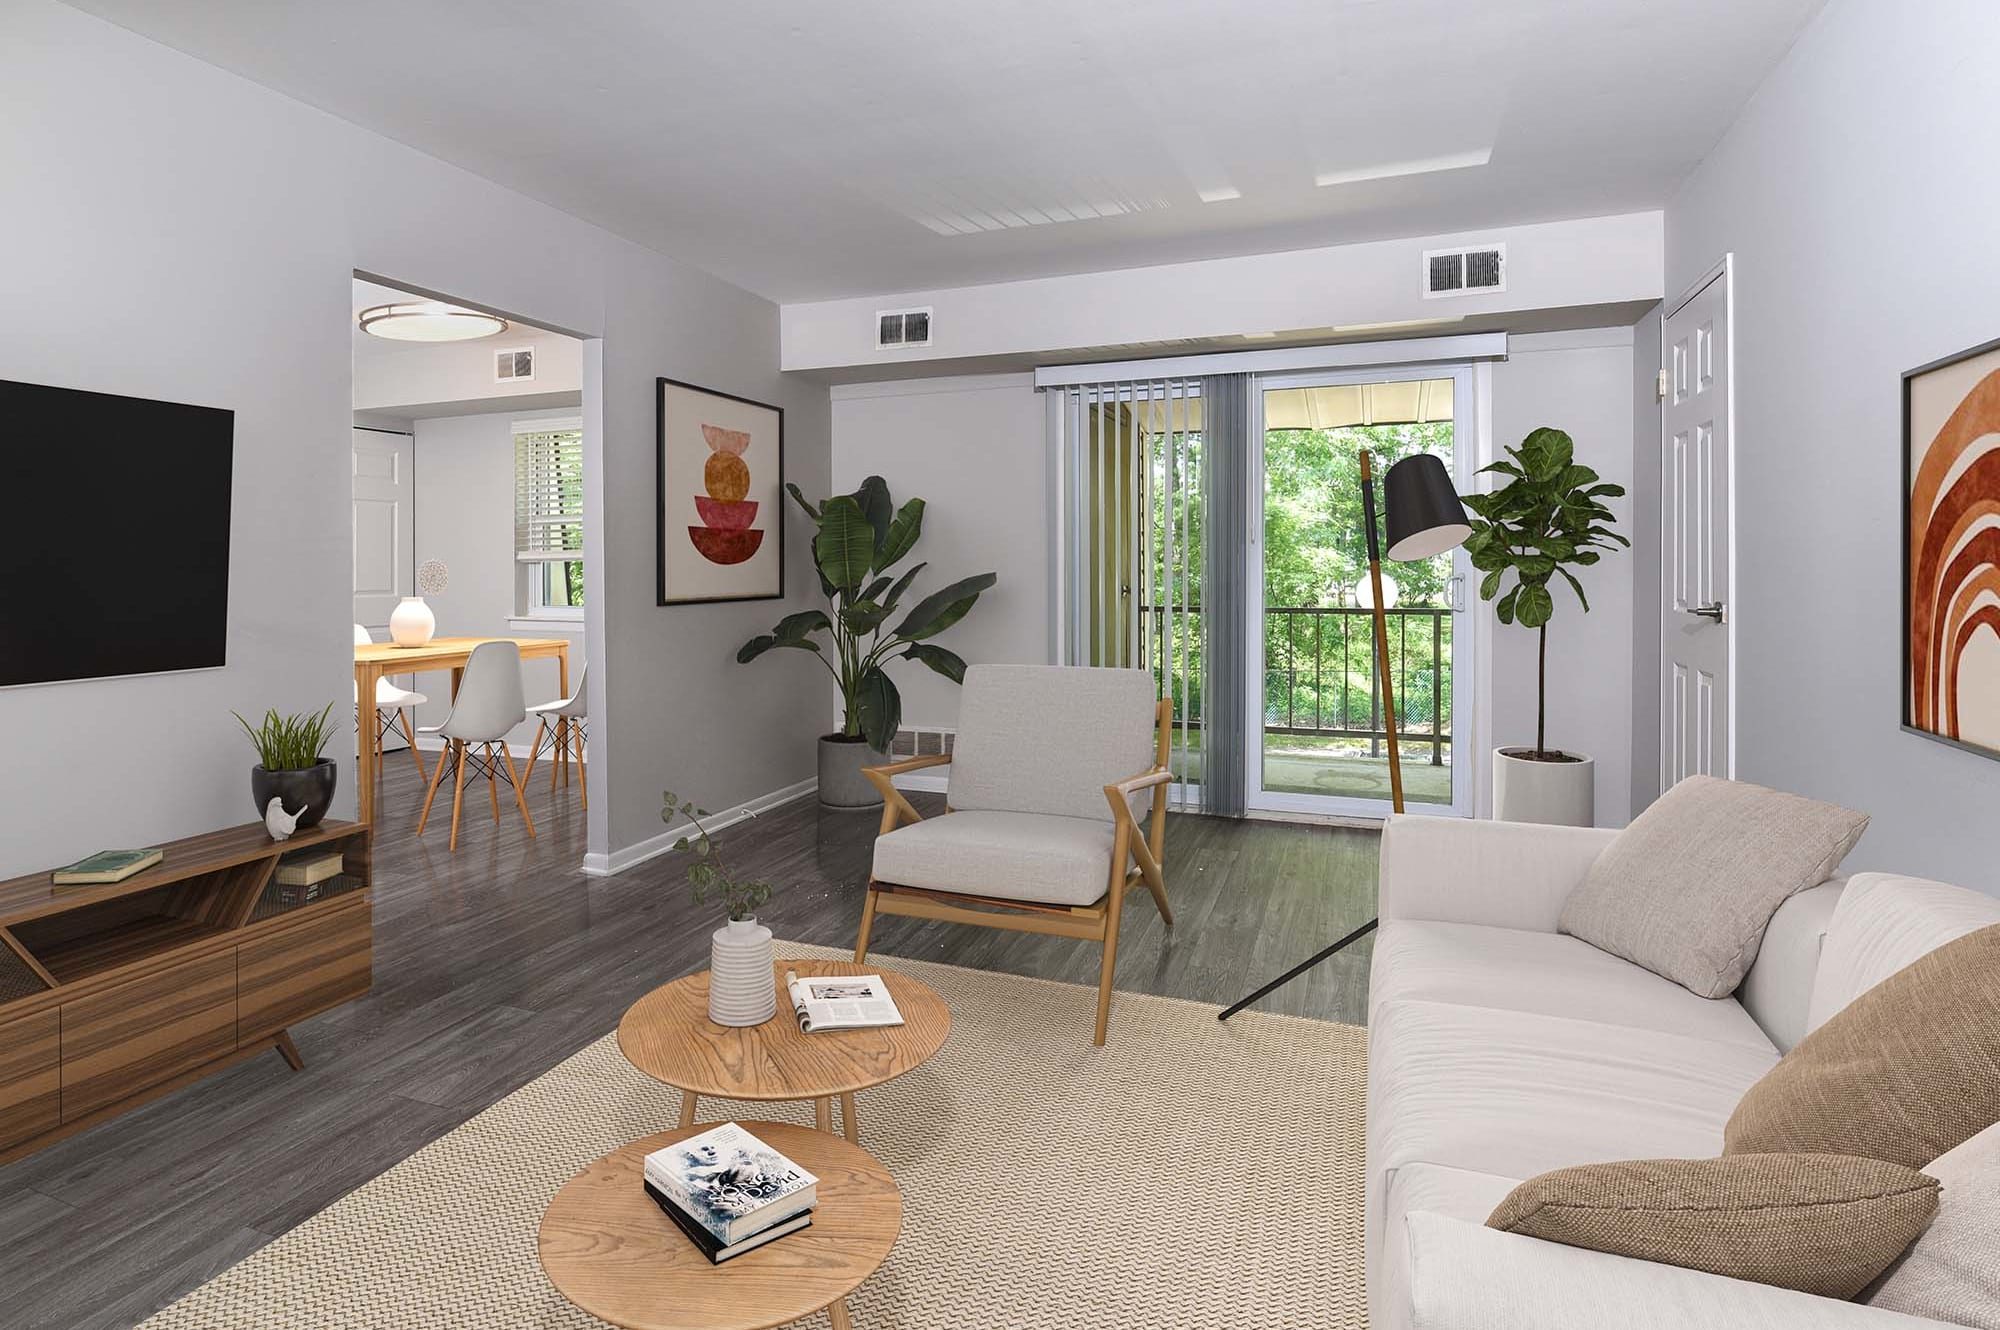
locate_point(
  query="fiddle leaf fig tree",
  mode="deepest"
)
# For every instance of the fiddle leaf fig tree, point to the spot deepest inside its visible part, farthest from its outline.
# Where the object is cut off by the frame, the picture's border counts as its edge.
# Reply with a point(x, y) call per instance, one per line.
point(1547, 518)
point(860, 538)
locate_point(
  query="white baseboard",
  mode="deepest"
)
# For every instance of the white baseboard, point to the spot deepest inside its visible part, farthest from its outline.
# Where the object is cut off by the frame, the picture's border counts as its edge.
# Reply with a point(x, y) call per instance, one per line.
point(610, 865)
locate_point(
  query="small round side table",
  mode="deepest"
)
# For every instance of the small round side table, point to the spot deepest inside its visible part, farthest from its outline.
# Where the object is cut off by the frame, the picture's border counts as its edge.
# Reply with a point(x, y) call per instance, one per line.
point(667, 1035)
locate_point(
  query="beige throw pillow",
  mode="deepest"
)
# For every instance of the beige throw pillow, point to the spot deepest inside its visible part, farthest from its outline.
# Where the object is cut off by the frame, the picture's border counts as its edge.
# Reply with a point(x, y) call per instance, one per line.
point(1687, 890)
point(1905, 1072)
point(1953, 1271)
point(1824, 1224)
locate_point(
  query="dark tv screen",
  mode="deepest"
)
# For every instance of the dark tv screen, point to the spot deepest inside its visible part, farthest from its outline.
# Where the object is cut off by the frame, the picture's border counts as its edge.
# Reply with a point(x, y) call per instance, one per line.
point(117, 534)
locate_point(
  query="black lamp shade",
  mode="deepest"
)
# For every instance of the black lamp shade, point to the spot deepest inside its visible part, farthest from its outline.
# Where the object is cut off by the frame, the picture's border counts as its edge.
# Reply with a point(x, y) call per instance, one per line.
point(1425, 516)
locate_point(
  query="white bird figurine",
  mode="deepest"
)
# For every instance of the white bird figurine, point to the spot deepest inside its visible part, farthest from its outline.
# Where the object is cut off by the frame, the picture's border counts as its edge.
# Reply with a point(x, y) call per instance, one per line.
point(278, 822)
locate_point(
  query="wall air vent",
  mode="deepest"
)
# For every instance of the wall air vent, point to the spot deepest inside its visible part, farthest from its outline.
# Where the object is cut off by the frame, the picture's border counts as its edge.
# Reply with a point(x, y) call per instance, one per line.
point(514, 366)
point(901, 329)
point(1474, 270)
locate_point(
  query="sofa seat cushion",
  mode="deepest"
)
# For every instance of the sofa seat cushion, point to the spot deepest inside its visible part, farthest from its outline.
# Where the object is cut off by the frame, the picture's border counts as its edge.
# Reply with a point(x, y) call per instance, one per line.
point(1009, 856)
point(1459, 1192)
point(1514, 970)
point(1516, 1093)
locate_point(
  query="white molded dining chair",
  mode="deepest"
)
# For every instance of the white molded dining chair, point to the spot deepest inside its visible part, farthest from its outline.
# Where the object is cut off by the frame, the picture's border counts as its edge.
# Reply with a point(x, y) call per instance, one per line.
point(560, 732)
point(392, 706)
point(489, 704)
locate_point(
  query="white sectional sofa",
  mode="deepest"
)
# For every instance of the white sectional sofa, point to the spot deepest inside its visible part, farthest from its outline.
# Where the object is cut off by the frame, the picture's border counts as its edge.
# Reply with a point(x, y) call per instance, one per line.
point(1499, 1049)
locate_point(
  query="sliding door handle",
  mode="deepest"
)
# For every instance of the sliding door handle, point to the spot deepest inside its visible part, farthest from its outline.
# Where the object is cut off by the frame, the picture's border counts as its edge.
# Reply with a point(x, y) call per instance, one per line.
point(1712, 612)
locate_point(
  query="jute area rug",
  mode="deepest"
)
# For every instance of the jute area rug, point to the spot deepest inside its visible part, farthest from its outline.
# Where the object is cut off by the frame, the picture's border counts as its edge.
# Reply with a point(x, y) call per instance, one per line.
point(1189, 1174)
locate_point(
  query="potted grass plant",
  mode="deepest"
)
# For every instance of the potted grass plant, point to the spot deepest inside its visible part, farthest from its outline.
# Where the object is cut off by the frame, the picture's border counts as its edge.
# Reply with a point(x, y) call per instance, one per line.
point(1548, 518)
point(289, 763)
point(742, 985)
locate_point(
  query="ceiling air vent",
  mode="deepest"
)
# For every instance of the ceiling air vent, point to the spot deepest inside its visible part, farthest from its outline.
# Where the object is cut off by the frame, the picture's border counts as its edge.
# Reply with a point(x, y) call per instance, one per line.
point(514, 366)
point(898, 329)
point(1471, 271)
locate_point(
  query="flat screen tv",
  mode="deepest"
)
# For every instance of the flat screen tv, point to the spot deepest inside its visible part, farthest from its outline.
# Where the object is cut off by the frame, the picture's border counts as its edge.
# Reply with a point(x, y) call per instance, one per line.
point(117, 534)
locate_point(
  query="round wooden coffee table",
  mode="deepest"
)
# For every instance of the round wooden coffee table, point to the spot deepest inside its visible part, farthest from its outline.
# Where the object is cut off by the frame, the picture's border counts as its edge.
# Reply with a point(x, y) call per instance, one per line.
point(667, 1035)
point(607, 1248)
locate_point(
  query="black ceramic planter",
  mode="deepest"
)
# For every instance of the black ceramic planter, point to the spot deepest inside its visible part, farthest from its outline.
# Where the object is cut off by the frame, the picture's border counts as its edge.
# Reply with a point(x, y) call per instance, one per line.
point(311, 786)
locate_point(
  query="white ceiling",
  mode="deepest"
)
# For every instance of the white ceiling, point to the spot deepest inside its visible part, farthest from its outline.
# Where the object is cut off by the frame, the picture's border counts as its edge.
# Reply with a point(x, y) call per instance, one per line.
point(816, 150)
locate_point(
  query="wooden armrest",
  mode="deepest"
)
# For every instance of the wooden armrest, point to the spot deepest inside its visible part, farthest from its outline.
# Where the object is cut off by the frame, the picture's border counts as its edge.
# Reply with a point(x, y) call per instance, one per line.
point(1158, 776)
point(911, 764)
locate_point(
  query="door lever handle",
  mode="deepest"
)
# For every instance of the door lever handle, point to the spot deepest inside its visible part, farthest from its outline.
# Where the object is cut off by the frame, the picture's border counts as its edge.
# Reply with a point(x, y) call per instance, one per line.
point(1712, 612)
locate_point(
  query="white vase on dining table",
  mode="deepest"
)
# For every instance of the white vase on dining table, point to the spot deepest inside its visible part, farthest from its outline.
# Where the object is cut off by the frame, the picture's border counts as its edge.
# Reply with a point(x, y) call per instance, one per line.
point(411, 623)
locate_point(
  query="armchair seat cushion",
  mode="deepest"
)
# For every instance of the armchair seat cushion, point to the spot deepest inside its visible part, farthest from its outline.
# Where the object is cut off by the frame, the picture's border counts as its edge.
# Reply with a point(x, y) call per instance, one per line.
point(1006, 856)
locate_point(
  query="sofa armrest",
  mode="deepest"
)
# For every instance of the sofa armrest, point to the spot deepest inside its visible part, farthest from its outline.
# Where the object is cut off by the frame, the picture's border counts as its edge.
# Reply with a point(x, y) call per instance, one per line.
point(1466, 1276)
point(1501, 874)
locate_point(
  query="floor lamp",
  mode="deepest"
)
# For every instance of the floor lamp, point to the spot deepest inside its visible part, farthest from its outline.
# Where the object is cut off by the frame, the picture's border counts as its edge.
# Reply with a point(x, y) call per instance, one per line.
point(1425, 520)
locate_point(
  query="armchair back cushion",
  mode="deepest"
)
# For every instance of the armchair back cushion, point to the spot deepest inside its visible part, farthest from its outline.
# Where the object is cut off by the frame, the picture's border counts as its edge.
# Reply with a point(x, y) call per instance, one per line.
point(1049, 738)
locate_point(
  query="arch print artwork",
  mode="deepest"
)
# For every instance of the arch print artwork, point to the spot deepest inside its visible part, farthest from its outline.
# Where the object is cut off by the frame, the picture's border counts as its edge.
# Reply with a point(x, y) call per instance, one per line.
point(1951, 550)
point(720, 517)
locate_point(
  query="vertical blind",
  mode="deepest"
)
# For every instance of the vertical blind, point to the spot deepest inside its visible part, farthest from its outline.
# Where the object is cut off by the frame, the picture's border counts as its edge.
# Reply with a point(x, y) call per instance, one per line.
point(548, 495)
point(1128, 462)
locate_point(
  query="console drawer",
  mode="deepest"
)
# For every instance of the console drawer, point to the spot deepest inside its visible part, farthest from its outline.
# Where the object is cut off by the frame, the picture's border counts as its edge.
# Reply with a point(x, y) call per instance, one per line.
point(124, 1039)
point(304, 969)
point(30, 1076)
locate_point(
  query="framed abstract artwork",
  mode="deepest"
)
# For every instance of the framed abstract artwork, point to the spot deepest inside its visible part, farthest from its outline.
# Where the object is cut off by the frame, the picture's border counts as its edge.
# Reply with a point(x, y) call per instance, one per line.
point(1951, 550)
point(721, 506)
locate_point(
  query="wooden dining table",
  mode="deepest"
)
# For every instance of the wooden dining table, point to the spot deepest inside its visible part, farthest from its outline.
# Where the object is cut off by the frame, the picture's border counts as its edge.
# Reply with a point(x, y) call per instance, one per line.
point(377, 660)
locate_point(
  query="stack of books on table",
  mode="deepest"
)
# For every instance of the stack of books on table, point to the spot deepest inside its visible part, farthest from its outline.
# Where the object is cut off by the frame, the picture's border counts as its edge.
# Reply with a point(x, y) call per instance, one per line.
point(729, 1192)
point(301, 878)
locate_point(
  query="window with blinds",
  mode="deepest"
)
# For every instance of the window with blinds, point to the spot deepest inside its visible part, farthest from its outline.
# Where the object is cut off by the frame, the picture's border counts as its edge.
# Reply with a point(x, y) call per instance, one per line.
point(548, 516)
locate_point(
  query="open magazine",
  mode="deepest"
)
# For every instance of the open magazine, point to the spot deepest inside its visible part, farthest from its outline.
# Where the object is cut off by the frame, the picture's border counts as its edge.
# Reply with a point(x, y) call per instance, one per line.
point(841, 1002)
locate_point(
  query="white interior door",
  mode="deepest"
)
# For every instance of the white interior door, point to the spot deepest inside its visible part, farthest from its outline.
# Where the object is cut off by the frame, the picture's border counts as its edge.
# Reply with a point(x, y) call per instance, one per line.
point(385, 530)
point(1695, 562)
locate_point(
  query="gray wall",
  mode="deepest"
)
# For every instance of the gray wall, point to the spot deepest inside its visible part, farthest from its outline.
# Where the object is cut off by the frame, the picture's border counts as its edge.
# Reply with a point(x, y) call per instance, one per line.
point(1857, 195)
point(465, 516)
point(224, 222)
point(1644, 532)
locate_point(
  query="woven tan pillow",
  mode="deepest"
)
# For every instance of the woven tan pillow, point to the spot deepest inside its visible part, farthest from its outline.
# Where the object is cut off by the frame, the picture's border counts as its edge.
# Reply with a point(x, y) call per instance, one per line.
point(1908, 1070)
point(1689, 888)
point(1825, 1224)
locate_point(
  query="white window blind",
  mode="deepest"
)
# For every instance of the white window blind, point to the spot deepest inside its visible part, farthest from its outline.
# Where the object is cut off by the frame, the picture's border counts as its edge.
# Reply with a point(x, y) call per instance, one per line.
point(548, 495)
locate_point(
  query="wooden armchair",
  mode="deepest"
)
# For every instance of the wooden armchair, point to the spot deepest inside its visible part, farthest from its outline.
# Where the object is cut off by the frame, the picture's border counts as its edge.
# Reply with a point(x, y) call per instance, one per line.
point(1027, 845)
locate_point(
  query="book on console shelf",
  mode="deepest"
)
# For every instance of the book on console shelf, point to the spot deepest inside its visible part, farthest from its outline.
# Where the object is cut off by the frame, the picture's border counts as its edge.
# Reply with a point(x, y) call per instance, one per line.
point(841, 1001)
point(303, 870)
point(732, 1187)
point(106, 866)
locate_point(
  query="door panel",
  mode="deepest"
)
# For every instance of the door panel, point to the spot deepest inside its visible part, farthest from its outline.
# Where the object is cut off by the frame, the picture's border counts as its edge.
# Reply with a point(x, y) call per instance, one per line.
point(384, 526)
point(1694, 532)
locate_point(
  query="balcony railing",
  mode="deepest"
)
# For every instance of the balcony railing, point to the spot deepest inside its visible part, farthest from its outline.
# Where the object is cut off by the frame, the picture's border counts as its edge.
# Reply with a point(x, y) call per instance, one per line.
point(1319, 677)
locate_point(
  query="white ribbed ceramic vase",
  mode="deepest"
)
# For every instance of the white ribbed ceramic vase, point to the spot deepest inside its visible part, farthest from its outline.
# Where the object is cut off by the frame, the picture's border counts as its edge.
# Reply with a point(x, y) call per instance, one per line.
point(741, 988)
point(411, 623)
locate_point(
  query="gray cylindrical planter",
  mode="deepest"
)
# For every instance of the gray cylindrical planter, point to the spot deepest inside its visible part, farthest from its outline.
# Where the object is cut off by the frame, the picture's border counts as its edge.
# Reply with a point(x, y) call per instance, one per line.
point(1559, 793)
point(841, 784)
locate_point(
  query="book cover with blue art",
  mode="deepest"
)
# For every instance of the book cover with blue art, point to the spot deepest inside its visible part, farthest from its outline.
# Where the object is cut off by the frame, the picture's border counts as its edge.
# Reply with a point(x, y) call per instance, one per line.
point(731, 1183)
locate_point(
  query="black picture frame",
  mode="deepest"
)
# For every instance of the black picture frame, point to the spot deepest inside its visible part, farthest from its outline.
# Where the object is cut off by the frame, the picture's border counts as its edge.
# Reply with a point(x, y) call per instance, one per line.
point(1906, 710)
point(660, 517)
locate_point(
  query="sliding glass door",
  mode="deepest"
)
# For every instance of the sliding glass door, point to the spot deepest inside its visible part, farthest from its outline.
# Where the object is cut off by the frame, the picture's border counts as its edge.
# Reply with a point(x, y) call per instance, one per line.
point(1318, 737)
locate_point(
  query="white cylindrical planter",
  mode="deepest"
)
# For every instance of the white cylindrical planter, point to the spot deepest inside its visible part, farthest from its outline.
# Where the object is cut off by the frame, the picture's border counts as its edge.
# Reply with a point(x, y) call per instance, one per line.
point(742, 990)
point(411, 623)
point(1562, 793)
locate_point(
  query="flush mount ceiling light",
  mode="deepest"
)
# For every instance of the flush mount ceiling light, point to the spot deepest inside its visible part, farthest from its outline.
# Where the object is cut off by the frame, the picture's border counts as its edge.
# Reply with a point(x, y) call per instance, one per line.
point(429, 321)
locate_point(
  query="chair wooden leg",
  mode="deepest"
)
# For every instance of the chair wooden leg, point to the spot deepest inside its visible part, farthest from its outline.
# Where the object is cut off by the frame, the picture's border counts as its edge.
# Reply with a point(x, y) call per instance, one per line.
point(541, 728)
point(867, 924)
point(403, 719)
point(520, 801)
point(437, 779)
point(1110, 961)
point(457, 787)
point(493, 782)
point(582, 776)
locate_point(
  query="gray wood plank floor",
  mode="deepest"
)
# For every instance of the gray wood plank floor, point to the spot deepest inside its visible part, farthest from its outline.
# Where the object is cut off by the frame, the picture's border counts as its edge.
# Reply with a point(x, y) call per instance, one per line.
point(495, 963)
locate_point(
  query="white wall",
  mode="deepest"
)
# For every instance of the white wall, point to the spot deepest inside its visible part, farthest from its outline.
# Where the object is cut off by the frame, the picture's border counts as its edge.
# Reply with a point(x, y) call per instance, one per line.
point(224, 223)
point(972, 449)
point(1580, 383)
point(465, 516)
point(390, 374)
point(1550, 265)
point(1857, 195)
